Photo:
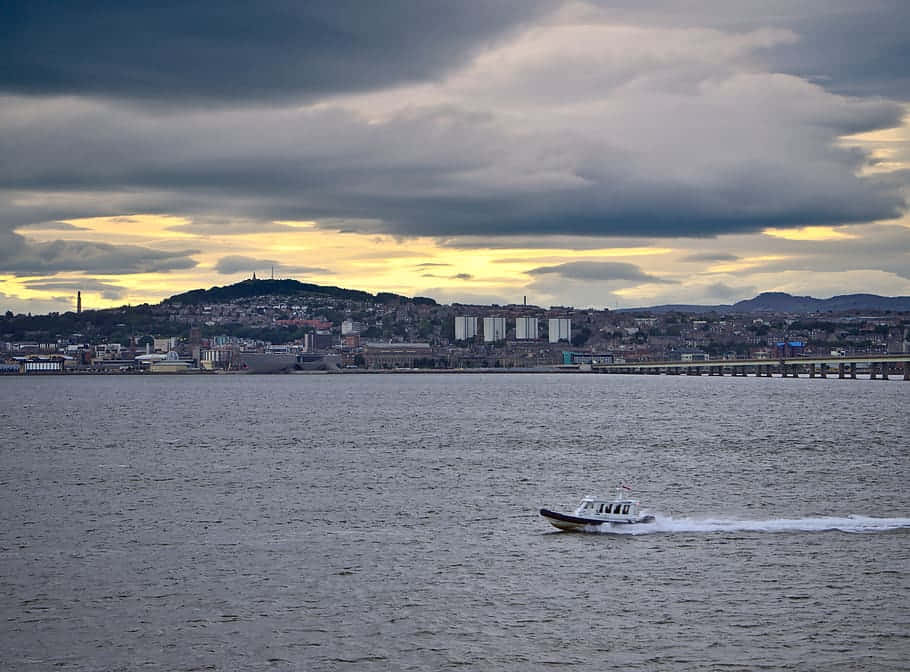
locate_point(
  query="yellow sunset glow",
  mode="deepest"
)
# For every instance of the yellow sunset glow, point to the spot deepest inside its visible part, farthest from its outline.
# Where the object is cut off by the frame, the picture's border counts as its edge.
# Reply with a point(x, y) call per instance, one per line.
point(887, 148)
point(745, 264)
point(299, 250)
point(812, 233)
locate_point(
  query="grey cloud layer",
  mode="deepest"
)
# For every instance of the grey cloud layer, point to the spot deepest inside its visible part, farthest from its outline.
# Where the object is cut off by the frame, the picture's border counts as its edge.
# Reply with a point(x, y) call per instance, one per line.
point(600, 271)
point(234, 264)
point(750, 152)
point(883, 248)
point(106, 289)
point(21, 257)
point(854, 48)
point(707, 257)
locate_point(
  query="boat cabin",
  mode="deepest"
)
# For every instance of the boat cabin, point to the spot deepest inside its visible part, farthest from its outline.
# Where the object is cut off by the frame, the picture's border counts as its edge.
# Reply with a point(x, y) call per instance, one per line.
point(612, 510)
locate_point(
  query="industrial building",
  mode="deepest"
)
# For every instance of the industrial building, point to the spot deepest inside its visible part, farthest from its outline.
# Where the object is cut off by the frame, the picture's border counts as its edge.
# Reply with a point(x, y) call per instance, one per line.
point(560, 329)
point(526, 328)
point(397, 355)
point(494, 329)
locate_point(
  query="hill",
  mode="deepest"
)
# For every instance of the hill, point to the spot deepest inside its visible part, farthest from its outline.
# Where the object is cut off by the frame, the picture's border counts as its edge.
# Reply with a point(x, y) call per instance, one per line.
point(250, 288)
point(781, 302)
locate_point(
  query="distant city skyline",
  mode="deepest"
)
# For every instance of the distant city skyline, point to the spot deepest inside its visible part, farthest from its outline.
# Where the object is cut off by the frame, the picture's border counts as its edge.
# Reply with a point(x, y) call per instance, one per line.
point(597, 154)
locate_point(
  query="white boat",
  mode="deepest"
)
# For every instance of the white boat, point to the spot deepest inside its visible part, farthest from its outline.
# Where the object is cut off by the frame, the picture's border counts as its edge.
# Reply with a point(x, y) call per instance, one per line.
point(595, 511)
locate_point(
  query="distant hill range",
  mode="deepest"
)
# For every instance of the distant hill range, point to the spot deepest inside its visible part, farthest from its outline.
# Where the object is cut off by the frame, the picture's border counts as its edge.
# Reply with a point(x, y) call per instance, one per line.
point(767, 302)
point(781, 302)
point(250, 288)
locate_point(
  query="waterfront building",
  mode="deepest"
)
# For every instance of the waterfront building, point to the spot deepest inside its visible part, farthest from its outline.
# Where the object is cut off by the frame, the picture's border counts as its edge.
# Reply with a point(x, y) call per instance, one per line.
point(170, 364)
point(320, 340)
point(569, 357)
point(397, 355)
point(164, 344)
point(219, 358)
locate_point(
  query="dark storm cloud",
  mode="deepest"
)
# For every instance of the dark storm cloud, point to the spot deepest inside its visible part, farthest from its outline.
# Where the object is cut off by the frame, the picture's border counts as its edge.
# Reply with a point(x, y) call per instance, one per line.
point(553, 242)
point(854, 48)
point(234, 50)
point(599, 271)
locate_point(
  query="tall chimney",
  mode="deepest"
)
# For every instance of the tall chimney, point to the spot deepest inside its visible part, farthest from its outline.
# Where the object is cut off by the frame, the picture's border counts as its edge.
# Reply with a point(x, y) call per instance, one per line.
point(526, 300)
point(78, 302)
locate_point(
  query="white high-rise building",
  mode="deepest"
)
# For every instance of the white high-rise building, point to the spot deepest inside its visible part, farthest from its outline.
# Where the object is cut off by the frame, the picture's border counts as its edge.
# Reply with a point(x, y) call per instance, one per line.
point(349, 327)
point(526, 328)
point(494, 329)
point(560, 329)
point(465, 328)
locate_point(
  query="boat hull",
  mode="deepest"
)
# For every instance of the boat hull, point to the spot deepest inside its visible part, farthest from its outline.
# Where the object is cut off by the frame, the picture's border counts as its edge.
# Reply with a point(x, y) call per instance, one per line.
point(570, 523)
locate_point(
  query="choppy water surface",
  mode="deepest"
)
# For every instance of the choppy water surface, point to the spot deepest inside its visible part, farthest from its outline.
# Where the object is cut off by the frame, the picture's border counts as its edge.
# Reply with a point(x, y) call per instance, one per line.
point(379, 522)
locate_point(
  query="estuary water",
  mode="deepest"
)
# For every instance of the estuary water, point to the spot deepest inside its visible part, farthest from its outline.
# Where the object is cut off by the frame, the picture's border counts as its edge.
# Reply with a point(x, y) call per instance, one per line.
point(389, 522)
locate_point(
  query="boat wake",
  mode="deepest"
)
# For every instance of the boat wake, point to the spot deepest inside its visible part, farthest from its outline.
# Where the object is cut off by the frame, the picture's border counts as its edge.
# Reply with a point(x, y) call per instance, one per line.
point(668, 524)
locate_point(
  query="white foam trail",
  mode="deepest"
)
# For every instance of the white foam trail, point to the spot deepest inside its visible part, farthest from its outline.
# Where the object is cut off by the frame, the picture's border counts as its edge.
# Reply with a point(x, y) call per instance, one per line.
point(668, 524)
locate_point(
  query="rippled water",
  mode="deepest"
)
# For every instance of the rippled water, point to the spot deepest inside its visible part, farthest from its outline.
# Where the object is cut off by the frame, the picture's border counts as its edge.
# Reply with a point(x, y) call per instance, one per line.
point(389, 522)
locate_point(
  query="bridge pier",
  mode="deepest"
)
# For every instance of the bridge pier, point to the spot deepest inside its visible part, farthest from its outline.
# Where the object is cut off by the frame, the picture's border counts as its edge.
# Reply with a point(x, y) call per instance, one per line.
point(840, 371)
point(873, 374)
point(884, 368)
point(812, 370)
point(824, 372)
point(906, 370)
point(853, 370)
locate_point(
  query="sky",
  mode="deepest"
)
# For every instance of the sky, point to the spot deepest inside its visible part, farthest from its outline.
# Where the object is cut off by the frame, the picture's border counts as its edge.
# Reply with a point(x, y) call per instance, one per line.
point(590, 154)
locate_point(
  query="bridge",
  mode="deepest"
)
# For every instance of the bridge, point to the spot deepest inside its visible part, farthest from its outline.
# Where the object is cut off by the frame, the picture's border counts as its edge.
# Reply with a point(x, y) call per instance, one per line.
point(879, 367)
